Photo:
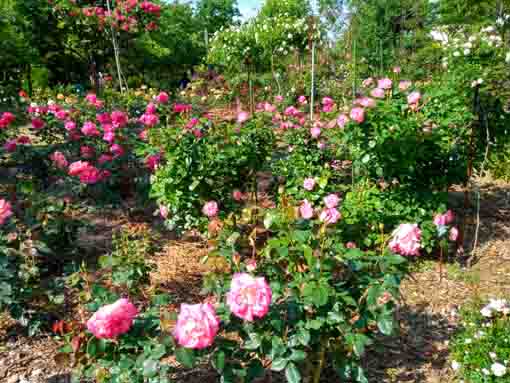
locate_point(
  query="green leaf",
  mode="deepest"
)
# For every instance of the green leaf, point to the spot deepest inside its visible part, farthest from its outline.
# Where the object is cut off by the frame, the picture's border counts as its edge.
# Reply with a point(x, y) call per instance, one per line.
point(279, 364)
point(253, 343)
point(385, 325)
point(292, 373)
point(219, 361)
point(150, 368)
point(303, 336)
point(297, 355)
point(185, 356)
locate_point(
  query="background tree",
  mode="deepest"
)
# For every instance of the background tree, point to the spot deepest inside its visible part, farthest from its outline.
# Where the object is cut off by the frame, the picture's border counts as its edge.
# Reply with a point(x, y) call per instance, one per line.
point(216, 14)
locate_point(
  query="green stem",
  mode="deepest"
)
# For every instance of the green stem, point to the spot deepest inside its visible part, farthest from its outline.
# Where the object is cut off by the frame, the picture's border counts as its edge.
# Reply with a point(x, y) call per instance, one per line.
point(320, 365)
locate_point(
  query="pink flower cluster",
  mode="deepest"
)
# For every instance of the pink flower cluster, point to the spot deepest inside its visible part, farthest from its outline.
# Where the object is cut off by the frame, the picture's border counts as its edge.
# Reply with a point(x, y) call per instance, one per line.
point(442, 221)
point(406, 240)
point(5, 211)
point(87, 173)
point(182, 108)
point(113, 320)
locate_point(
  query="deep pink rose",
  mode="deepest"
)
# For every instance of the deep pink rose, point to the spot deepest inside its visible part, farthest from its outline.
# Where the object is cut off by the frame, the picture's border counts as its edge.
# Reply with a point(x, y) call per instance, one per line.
point(149, 119)
point(330, 216)
point(104, 118)
point(90, 129)
point(331, 201)
point(406, 240)
point(104, 158)
point(151, 108)
point(117, 150)
point(11, 145)
point(152, 161)
point(249, 297)
point(37, 123)
point(70, 125)
point(327, 101)
point(91, 175)
point(6, 119)
point(197, 325)
point(62, 115)
point(109, 137)
point(306, 209)
point(5, 211)
point(242, 117)
point(358, 115)
point(163, 211)
point(278, 99)
point(162, 98)
point(309, 184)
point(210, 209)
point(351, 245)
point(59, 160)
point(119, 119)
point(237, 195)
point(76, 168)
point(113, 320)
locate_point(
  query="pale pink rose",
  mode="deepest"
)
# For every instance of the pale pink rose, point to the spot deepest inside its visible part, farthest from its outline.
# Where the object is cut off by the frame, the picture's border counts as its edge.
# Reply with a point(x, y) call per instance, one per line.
point(367, 82)
point(59, 160)
point(163, 211)
point(384, 83)
point(291, 111)
point(162, 98)
point(454, 234)
point(37, 123)
point(351, 245)
point(315, 132)
point(397, 70)
point(119, 119)
point(331, 201)
point(269, 108)
point(76, 168)
point(342, 120)
point(197, 325)
point(151, 108)
point(5, 211)
point(330, 216)
point(358, 115)
point(306, 209)
point(366, 102)
point(406, 240)
point(210, 209)
point(309, 184)
point(113, 320)
point(11, 145)
point(377, 93)
point(90, 129)
point(444, 219)
point(87, 151)
point(242, 117)
point(404, 85)
point(414, 98)
point(70, 126)
point(249, 297)
point(117, 150)
point(91, 175)
point(251, 265)
point(237, 195)
point(278, 99)
point(302, 100)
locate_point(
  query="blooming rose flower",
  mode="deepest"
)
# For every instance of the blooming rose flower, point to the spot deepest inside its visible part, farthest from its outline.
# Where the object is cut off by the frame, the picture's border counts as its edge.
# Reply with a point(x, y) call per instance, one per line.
point(119, 119)
point(151, 108)
point(117, 150)
point(331, 201)
point(309, 184)
point(152, 161)
point(291, 111)
point(366, 102)
point(444, 219)
point(351, 245)
point(104, 118)
point(406, 240)
point(6, 119)
point(104, 158)
point(315, 132)
point(162, 98)
point(70, 125)
point(278, 99)
point(149, 119)
point(23, 140)
point(237, 195)
point(328, 108)
point(251, 265)
point(5, 211)
point(358, 115)
point(454, 234)
point(377, 93)
point(342, 120)
point(11, 145)
point(327, 101)
point(269, 107)
point(249, 297)
point(163, 211)
point(330, 216)
point(90, 129)
point(59, 160)
point(91, 175)
point(197, 325)
point(306, 209)
point(498, 369)
point(37, 123)
point(113, 320)
point(384, 83)
point(210, 209)
point(414, 98)
point(62, 115)
point(109, 137)
point(404, 85)
point(78, 167)
point(302, 100)
point(242, 117)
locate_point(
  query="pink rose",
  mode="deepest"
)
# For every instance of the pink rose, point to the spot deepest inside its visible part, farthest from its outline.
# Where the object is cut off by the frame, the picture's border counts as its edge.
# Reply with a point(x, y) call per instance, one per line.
point(249, 297)
point(76, 168)
point(315, 132)
point(5, 211)
point(331, 201)
point(103, 118)
point(23, 140)
point(113, 320)
point(59, 160)
point(143, 135)
point(104, 158)
point(163, 211)
point(11, 145)
point(384, 83)
point(91, 175)
point(91, 98)
point(404, 85)
point(90, 129)
point(327, 101)
point(192, 123)
point(302, 100)
point(62, 115)
point(6, 119)
point(151, 108)
point(291, 111)
point(278, 99)
point(306, 209)
point(351, 245)
point(366, 102)
point(330, 216)
point(377, 93)
point(70, 126)
point(162, 98)
point(269, 108)
point(328, 108)
point(119, 119)
point(37, 123)
point(210, 209)
point(117, 150)
point(342, 120)
point(406, 240)
point(152, 161)
point(358, 115)
point(243, 117)
point(149, 119)
point(109, 137)
point(309, 184)
point(414, 98)
point(197, 325)
point(251, 265)
point(454, 234)
point(237, 195)
point(444, 219)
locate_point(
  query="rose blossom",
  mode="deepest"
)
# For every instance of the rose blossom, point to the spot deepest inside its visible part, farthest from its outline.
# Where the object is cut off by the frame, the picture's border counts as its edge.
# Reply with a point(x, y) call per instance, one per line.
point(117, 150)
point(249, 296)
point(278, 99)
point(384, 83)
point(5, 211)
point(237, 195)
point(309, 184)
point(315, 132)
point(197, 325)
point(162, 98)
point(103, 118)
point(119, 119)
point(152, 161)
point(342, 120)
point(331, 201)
point(90, 129)
point(113, 320)
point(302, 100)
point(444, 219)
point(151, 108)
point(406, 240)
point(163, 211)
point(366, 102)
point(404, 85)
point(91, 175)
point(350, 245)
point(59, 160)
point(104, 158)
point(251, 265)
point(377, 93)
point(414, 98)
point(454, 234)
point(306, 209)
point(330, 216)
point(149, 119)
point(37, 123)
point(76, 168)
point(358, 115)
point(70, 125)
point(11, 145)
point(242, 117)
point(210, 209)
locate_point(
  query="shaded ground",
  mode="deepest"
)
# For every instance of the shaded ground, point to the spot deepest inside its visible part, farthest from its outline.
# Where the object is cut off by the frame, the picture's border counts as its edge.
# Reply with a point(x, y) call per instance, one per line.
point(427, 313)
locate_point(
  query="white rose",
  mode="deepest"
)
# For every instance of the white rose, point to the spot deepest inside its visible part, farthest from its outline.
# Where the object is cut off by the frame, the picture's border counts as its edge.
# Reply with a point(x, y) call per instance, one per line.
point(498, 369)
point(455, 365)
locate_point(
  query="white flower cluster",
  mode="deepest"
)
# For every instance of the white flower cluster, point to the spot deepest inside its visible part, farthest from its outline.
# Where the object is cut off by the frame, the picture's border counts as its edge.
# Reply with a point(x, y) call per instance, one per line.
point(495, 306)
point(497, 369)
